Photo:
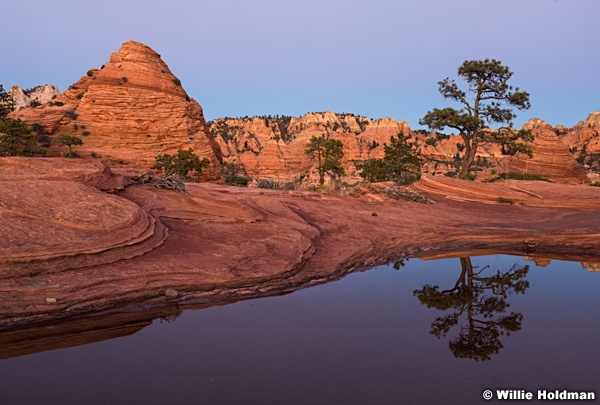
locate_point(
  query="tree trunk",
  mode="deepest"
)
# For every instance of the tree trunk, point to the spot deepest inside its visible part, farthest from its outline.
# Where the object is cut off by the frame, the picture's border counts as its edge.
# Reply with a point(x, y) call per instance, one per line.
point(467, 161)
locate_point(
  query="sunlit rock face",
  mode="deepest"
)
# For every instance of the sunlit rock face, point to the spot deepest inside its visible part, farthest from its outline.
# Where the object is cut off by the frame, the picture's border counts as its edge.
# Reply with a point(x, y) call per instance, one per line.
point(128, 112)
point(273, 147)
point(583, 141)
point(551, 157)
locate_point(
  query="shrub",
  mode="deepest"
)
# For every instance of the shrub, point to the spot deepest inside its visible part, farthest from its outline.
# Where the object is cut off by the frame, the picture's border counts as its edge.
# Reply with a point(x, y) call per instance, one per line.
point(183, 162)
point(237, 181)
point(401, 163)
point(520, 176)
point(504, 200)
point(267, 183)
point(234, 174)
point(69, 141)
point(71, 114)
point(177, 81)
point(16, 139)
point(90, 73)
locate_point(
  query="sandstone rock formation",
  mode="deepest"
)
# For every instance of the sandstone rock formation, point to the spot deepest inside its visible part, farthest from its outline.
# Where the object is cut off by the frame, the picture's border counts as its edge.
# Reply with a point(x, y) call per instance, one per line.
point(551, 157)
point(273, 147)
point(128, 112)
point(55, 217)
point(38, 95)
point(69, 250)
point(583, 141)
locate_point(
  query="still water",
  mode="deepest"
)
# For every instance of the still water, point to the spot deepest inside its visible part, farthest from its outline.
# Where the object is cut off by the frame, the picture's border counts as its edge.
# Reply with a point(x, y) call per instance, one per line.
point(382, 336)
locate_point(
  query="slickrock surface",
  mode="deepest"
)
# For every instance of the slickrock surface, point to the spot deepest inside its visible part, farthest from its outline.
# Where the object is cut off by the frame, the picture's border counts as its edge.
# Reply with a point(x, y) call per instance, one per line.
point(55, 218)
point(70, 250)
point(128, 112)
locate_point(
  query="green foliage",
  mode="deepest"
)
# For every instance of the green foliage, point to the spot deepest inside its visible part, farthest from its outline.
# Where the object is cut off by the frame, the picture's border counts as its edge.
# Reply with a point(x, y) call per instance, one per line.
point(43, 137)
point(16, 139)
point(520, 176)
point(504, 200)
point(401, 163)
point(181, 164)
point(71, 114)
point(491, 102)
point(468, 176)
point(328, 152)
point(7, 104)
point(69, 141)
point(274, 185)
point(177, 81)
point(234, 174)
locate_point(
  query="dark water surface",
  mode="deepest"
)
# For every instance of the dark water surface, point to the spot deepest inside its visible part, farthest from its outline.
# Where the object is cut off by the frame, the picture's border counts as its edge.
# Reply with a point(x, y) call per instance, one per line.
point(365, 339)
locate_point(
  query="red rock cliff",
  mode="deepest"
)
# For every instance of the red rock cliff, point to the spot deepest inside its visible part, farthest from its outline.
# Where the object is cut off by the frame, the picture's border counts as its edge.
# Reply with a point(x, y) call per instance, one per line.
point(128, 112)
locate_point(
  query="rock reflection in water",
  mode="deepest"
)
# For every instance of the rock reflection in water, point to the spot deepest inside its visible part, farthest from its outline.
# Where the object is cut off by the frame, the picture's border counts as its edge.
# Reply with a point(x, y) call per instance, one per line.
point(478, 304)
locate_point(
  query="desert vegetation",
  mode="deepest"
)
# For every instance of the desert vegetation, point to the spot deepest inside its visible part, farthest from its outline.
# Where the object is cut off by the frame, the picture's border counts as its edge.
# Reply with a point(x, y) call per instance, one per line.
point(401, 163)
point(491, 104)
point(328, 153)
point(180, 164)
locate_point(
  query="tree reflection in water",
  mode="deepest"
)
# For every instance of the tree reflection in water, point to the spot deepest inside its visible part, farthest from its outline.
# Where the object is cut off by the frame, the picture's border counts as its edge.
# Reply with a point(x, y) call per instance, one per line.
point(482, 301)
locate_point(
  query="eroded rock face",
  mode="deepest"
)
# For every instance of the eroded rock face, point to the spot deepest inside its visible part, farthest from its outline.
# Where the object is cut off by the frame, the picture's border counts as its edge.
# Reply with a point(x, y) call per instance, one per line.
point(551, 157)
point(128, 112)
point(583, 141)
point(273, 147)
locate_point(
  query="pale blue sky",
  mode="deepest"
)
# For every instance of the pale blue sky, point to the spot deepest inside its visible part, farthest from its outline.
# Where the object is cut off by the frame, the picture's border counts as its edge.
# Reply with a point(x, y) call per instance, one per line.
point(379, 58)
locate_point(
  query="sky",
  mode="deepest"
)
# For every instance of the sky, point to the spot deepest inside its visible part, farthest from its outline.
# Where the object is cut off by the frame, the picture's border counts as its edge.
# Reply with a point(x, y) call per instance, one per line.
point(377, 58)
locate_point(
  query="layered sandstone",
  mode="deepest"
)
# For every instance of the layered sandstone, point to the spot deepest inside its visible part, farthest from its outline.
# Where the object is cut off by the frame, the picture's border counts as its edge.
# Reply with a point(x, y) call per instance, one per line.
point(551, 157)
point(128, 112)
point(583, 141)
point(55, 217)
point(273, 147)
point(229, 243)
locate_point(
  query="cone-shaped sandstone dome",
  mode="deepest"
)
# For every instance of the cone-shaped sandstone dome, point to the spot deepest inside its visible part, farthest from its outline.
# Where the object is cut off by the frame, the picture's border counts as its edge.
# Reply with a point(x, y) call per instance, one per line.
point(128, 112)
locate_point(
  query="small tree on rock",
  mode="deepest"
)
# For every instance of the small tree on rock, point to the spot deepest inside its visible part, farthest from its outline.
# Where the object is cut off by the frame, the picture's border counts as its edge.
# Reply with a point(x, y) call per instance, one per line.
point(328, 154)
point(7, 104)
point(181, 164)
point(69, 141)
point(486, 101)
point(401, 163)
point(16, 139)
